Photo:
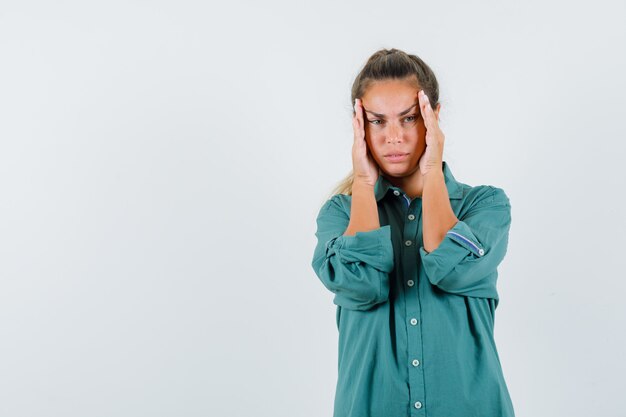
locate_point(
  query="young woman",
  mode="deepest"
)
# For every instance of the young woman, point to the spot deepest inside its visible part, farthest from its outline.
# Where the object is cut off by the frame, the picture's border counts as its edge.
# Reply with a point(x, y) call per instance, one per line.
point(411, 256)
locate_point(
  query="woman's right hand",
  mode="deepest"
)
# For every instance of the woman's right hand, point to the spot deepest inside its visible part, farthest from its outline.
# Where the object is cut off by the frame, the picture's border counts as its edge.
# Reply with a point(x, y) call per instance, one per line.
point(364, 167)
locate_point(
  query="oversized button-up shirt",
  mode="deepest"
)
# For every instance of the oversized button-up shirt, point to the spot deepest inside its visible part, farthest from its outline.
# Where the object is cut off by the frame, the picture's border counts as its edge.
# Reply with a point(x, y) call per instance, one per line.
point(416, 329)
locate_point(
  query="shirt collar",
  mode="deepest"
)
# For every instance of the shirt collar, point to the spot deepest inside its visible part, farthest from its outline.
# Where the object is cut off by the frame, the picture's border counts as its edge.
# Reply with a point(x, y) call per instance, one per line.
point(455, 190)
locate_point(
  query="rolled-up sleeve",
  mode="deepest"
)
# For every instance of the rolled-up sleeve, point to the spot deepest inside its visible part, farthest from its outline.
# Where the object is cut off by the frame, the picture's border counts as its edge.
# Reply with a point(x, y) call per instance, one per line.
point(466, 260)
point(355, 268)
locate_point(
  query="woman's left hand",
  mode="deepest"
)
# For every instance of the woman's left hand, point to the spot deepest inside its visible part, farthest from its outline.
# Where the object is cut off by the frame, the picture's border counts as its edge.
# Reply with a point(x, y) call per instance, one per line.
point(432, 158)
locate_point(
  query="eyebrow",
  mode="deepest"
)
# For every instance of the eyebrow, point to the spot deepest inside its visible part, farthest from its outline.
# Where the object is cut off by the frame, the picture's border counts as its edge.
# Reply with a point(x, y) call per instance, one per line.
point(402, 113)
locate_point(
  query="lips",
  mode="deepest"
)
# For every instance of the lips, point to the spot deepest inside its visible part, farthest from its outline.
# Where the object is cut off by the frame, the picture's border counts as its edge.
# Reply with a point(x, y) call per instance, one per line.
point(396, 157)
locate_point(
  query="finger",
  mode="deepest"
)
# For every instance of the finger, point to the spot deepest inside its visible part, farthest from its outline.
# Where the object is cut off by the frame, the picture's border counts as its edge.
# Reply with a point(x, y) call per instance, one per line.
point(424, 108)
point(430, 120)
point(355, 122)
point(359, 115)
point(362, 118)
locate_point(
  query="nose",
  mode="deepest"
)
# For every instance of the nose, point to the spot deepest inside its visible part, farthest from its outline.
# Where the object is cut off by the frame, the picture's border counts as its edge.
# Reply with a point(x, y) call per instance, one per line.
point(394, 134)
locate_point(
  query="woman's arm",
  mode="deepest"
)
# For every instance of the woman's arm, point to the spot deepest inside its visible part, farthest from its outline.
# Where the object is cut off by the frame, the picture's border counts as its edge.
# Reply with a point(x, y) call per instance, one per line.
point(459, 255)
point(364, 210)
point(354, 255)
point(437, 215)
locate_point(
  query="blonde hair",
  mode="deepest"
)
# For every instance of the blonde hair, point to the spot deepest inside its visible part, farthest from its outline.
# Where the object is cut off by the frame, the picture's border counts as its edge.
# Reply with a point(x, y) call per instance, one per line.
point(383, 65)
point(344, 186)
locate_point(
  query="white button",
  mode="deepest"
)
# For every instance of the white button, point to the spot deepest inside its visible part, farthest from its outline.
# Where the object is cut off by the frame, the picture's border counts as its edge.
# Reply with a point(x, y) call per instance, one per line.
point(396, 192)
point(408, 243)
point(415, 362)
point(418, 404)
point(410, 283)
point(413, 321)
point(411, 216)
point(481, 252)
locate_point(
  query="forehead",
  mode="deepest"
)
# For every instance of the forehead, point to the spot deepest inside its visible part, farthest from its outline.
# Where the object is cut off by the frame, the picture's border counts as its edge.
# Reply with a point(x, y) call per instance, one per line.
point(390, 96)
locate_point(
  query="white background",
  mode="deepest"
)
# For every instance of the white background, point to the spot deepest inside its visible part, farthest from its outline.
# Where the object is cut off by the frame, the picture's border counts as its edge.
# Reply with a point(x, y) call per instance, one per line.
point(162, 165)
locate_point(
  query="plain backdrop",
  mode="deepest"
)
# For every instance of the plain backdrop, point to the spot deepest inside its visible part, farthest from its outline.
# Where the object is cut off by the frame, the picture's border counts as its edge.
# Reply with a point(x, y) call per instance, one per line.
point(163, 162)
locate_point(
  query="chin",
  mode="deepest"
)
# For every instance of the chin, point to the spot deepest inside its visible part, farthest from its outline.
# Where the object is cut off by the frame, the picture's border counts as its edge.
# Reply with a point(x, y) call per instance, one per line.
point(396, 171)
point(399, 170)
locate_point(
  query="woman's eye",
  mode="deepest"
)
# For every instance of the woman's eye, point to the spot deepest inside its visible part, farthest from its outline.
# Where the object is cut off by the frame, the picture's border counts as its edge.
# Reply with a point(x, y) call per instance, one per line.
point(409, 119)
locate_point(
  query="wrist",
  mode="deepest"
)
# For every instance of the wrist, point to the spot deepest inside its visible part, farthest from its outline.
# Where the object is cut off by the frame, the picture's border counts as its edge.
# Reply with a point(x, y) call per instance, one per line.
point(435, 172)
point(362, 184)
point(359, 187)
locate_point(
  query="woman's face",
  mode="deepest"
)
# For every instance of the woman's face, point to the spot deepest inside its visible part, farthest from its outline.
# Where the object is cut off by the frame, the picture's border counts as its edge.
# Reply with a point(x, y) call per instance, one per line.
point(394, 129)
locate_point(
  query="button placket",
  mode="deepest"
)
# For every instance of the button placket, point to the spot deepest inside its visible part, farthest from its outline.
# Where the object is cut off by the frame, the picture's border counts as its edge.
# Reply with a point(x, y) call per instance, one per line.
point(410, 260)
point(411, 294)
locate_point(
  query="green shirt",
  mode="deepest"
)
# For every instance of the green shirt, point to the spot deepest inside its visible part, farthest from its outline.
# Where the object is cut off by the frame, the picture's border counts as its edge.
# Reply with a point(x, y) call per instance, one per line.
point(416, 328)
